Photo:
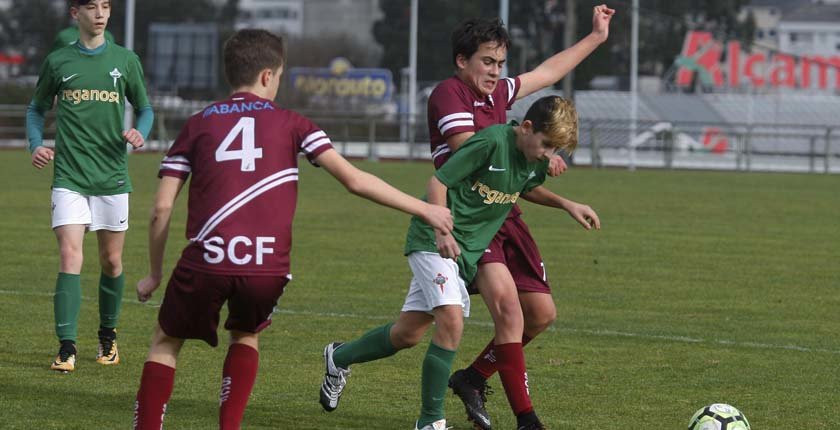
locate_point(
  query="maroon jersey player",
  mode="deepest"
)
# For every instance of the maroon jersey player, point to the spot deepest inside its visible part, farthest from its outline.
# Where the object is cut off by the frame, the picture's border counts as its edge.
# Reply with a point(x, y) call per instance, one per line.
point(455, 108)
point(242, 155)
point(511, 276)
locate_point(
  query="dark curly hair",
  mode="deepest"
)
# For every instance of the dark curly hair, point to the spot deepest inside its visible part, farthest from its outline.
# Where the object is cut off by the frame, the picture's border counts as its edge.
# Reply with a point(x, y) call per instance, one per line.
point(469, 34)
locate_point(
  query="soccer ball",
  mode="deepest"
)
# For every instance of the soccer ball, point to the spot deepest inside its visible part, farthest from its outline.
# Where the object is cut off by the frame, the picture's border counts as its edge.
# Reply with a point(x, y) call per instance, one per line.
point(718, 416)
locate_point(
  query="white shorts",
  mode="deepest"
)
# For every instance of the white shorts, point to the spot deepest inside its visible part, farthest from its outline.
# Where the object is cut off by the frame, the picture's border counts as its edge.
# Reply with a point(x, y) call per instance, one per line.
point(435, 283)
point(95, 212)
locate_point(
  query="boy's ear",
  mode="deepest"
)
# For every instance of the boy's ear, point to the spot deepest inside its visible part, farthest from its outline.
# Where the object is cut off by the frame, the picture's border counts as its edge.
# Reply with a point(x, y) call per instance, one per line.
point(527, 125)
point(265, 77)
point(461, 61)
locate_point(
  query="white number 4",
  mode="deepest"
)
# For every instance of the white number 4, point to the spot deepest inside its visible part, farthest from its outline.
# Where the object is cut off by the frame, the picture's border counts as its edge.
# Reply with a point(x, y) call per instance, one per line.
point(248, 154)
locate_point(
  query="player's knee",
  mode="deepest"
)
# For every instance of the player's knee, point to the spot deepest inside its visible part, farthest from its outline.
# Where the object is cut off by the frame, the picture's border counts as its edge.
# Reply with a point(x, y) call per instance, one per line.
point(71, 256)
point(509, 314)
point(111, 263)
point(537, 323)
point(451, 321)
point(245, 338)
point(401, 338)
point(509, 325)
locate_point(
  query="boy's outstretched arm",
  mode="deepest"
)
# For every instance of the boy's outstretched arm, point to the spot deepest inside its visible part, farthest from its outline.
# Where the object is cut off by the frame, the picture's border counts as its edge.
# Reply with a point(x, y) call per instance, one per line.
point(365, 185)
point(167, 192)
point(557, 66)
point(582, 213)
point(446, 243)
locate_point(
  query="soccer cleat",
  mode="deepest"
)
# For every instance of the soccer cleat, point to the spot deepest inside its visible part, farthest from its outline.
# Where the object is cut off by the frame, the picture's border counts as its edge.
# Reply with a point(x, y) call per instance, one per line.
point(437, 425)
point(536, 425)
point(473, 398)
point(65, 361)
point(335, 378)
point(108, 354)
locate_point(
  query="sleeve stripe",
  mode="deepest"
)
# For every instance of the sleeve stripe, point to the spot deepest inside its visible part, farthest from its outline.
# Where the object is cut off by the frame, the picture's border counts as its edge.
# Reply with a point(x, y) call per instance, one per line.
point(441, 149)
point(170, 166)
point(176, 158)
point(312, 137)
point(450, 117)
point(309, 147)
point(457, 124)
point(511, 86)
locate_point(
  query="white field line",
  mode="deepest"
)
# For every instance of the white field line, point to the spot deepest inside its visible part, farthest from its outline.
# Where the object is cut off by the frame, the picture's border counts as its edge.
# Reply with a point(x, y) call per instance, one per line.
point(592, 332)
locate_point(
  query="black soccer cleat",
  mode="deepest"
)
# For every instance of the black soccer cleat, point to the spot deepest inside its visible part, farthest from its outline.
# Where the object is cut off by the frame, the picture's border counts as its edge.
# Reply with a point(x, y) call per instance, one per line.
point(536, 425)
point(473, 398)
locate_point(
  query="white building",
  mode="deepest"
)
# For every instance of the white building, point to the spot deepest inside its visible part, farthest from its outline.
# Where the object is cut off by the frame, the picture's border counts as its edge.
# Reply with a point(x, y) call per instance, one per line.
point(312, 18)
point(349, 18)
point(767, 14)
point(281, 16)
point(811, 30)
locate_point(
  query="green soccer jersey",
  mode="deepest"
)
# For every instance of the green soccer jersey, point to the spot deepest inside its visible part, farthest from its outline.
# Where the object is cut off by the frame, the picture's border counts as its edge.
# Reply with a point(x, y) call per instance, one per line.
point(484, 178)
point(90, 87)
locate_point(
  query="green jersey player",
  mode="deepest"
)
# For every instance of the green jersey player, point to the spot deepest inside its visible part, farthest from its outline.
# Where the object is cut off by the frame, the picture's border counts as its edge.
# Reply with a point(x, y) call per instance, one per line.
point(90, 81)
point(480, 183)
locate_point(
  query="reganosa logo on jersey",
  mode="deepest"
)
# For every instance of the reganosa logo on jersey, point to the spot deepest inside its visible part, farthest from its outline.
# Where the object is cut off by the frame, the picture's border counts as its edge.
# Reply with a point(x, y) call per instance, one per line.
point(85, 95)
point(494, 196)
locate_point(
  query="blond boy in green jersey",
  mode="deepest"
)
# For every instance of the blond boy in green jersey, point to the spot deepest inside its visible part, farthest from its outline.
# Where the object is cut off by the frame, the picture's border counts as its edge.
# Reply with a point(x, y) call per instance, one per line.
point(479, 184)
point(90, 81)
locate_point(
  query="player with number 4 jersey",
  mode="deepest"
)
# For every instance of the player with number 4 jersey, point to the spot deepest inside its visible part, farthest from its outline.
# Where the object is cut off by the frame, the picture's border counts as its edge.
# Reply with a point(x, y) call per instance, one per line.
point(242, 155)
point(242, 195)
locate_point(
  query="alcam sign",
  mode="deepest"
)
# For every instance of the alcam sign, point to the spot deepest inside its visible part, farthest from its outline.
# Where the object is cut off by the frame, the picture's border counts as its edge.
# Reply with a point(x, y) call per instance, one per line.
point(701, 55)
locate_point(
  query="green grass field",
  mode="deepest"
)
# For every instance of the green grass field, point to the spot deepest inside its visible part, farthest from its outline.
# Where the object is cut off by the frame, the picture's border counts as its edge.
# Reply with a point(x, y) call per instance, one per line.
point(701, 287)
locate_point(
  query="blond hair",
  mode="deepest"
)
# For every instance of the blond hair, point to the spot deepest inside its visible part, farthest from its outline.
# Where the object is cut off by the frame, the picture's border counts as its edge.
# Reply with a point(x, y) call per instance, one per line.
point(557, 118)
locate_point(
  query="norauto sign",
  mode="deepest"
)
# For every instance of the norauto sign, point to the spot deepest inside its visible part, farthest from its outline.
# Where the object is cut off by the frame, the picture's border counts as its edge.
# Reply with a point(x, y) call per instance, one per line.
point(701, 54)
point(342, 80)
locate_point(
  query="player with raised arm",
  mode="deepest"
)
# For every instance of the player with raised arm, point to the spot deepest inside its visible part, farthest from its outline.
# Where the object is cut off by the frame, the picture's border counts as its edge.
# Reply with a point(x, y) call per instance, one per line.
point(480, 183)
point(242, 153)
point(511, 277)
point(90, 81)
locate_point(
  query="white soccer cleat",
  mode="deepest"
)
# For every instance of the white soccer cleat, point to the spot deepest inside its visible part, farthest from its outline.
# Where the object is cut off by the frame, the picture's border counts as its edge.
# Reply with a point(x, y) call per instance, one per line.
point(335, 379)
point(437, 425)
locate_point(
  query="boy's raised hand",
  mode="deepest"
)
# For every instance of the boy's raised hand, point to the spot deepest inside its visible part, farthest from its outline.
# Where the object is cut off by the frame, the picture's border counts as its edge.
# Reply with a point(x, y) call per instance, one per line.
point(601, 16)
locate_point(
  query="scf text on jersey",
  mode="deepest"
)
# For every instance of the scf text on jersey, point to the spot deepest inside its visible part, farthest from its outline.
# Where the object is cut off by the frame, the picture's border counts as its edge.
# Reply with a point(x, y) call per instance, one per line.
point(240, 250)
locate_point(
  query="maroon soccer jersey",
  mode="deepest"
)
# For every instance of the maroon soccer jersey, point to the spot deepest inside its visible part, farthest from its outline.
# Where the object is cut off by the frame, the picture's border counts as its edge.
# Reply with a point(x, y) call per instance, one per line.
point(243, 156)
point(455, 108)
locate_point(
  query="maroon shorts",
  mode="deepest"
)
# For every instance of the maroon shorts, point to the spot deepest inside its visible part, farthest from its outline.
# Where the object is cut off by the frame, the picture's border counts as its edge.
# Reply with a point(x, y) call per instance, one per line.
point(190, 308)
point(514, 247)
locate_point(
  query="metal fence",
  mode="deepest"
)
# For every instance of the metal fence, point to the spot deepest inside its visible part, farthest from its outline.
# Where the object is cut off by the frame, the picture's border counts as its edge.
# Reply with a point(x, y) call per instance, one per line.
point(704, 145)
point(602, 142)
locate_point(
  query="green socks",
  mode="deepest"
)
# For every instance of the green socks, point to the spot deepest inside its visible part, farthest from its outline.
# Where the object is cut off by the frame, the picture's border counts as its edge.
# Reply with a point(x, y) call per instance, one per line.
point(373, 345)
point(437, 364)
point(436, 367)
point(66, 303)
point(110, 298)
point(68, 300)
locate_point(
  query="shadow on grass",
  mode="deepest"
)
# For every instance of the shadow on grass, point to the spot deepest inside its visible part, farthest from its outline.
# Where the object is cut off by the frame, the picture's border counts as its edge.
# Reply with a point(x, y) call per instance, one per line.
point(68, 405)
